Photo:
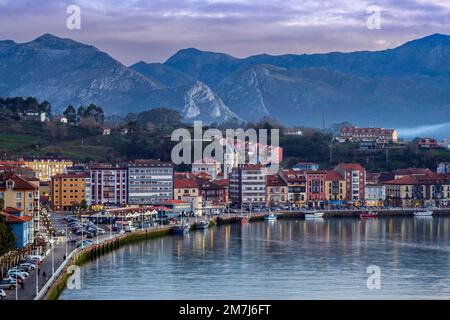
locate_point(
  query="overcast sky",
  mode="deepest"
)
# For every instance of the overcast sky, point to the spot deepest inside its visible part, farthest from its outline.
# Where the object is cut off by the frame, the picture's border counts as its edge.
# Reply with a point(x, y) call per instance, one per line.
point(152, 30)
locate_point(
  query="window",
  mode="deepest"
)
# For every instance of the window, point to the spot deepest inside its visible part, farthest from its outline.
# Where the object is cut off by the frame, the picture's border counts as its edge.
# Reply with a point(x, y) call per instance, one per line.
point(18, 195)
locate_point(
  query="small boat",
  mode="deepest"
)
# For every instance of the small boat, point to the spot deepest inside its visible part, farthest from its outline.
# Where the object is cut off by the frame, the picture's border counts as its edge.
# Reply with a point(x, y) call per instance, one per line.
point(314, 215)
point(243, 219)
point(426, 213)
point(270, 217)
point(181, 228)
point(202, 225)
point(369, 214)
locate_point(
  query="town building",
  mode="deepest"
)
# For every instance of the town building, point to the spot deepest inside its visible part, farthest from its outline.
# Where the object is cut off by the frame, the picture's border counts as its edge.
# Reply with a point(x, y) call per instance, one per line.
point(21, 225)
point(19, 193)
point(296, 182)
point(69, 190)
point(375, 191)
point(45, 168)
point(276, 191)
point(209, 166)
point(248, 185)
point(109, 185)
point(378, 135)
point(418, 191)
point(355, 181)
point(335, 189)
point(212, 192)
point(315, 188)
point(150, 182)
point(185, 187)
point(303, 166)
point(427, 143)
point(443, 167)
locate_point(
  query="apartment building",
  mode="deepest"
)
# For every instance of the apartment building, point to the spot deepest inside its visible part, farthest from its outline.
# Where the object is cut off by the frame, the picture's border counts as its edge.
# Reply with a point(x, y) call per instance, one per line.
point(354, 175)
point(248, 185)
point(70, 189)
point(335, 190)
point(45, 168)
point(19, 193)
point(376, 135)
point(149, 182)
point(296, 182)
point(315, 188)
point(109, 185)
point(276, 190)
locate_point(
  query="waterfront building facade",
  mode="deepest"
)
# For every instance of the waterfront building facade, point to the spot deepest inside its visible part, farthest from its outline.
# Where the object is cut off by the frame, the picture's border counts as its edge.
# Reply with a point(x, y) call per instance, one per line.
point(296, 182)
point(335, 189)
point(315, 188)
point(276, 191)
point(355, 181)
point(109, 185)
point(19, 193)
point(150, 182)
point(209, 166)
point(248, 185)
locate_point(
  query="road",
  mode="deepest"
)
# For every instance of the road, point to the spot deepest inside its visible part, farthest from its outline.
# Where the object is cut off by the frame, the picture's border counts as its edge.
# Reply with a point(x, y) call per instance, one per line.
point(28, 292)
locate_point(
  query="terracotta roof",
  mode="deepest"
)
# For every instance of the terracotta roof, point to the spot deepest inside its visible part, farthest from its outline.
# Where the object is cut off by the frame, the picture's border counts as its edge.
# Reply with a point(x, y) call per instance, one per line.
point(413, 171)
point(293, 176)
point(12, 210)
point(185, 183)
point(222, 182)
point(173, 202)
point(350, 166)
point(19, 182)
point(274, 180)
point(334, 176)
point(411, 180)
point(9, 218)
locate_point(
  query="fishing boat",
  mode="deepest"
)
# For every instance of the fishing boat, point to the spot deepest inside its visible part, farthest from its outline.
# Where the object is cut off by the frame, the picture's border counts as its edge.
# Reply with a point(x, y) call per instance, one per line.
point(270, 217)
point(314, 215)
point(426, 213)
point(368, 214)
point(181, 228)
point(202, 225)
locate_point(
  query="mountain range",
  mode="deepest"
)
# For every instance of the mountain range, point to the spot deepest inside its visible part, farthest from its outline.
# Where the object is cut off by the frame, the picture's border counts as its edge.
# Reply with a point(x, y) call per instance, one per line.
point(404, 86)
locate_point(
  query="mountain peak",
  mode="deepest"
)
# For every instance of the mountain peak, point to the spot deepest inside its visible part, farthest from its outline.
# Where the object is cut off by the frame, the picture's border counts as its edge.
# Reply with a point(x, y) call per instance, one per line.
point(51, 41)
point(436, 39)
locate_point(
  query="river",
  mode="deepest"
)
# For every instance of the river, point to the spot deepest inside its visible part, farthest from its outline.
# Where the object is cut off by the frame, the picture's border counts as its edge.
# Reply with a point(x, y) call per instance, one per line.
point(285, 259)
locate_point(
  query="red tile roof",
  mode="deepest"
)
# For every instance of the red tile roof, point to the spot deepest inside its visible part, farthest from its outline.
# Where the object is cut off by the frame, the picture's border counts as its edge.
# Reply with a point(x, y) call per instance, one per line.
point(334, 176)
point(71, 175)
point(350, 166)
point(19, 182)
point(274, 180)
point(9, 218)
point(185, 183)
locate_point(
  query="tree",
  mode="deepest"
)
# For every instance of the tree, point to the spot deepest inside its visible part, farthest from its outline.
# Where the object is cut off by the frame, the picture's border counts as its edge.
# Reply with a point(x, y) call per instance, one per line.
point(6, 237)
point(71, 114)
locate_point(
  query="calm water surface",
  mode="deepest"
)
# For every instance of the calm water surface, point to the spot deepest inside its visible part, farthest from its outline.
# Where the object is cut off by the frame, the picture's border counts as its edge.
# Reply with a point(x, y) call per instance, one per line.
point(286, 259)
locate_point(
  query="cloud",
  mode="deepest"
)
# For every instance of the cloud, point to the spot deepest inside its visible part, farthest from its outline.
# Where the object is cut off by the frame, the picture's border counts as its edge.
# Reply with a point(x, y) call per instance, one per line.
point(152, 30)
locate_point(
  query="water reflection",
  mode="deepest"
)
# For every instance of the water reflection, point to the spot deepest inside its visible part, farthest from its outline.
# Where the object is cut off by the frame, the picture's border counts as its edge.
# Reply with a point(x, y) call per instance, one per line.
point(284, 259)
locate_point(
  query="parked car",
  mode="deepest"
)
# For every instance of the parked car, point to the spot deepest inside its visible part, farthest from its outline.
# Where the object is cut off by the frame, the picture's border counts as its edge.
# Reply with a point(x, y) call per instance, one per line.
point(36, 256)
point(7, 283)
point(17, 274)
point(27, 266)
point(84, 243)
point(2, 294)
point(18, 269)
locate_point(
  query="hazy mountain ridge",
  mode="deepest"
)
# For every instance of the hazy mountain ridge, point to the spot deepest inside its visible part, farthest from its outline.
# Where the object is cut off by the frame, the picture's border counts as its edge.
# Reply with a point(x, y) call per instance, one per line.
point(406, 85)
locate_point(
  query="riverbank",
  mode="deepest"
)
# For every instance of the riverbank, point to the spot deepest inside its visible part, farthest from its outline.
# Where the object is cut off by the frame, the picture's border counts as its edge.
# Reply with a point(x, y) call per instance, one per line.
point(80, 256)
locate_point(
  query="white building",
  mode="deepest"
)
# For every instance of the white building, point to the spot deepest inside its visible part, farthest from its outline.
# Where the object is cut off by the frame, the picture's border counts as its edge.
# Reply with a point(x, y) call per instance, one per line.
point(443, 167)
point(375, 195)
point(248, 185)
point(209, 166)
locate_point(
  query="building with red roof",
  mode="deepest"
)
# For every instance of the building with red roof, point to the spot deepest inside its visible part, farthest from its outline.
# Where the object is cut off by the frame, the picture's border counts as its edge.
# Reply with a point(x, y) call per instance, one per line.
point(355, 181)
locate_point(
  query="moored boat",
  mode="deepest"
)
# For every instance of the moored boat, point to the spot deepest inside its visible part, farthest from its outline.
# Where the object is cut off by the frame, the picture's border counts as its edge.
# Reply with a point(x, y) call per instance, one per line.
point(202, 225)
point(181, 228)
point(368, 214)
point(314, 215)
point(426, 213)
point(270, 217)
